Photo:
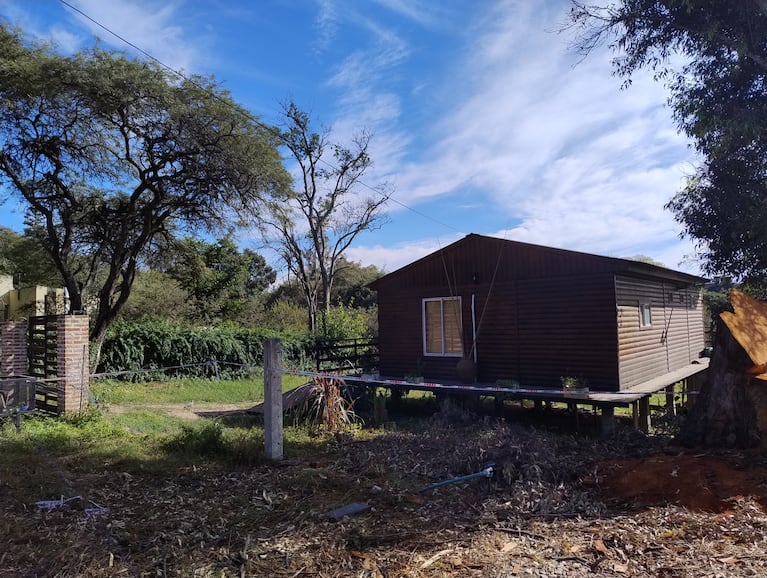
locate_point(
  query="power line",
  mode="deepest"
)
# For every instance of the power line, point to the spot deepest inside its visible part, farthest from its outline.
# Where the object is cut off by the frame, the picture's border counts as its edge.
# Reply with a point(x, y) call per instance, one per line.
point(247, 112)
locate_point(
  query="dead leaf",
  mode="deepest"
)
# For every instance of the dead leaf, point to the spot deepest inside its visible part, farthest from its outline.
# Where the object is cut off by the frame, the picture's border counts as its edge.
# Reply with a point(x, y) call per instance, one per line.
point(729, 560)
point(600, 547)
point(622, 568)
point(508, 547)
point(569, 548)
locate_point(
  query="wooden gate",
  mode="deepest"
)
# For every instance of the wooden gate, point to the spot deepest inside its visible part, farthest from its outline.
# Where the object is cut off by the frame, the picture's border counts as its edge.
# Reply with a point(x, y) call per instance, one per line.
point(43, 357)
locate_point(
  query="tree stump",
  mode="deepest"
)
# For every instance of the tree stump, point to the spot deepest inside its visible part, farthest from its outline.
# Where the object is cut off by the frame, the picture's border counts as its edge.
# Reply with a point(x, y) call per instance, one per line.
point(730, 411)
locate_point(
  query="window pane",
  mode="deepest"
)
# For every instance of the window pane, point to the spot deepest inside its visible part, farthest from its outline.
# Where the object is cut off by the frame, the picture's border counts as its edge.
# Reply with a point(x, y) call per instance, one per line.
point(646, 313)
point(452, 314)
point(433, 326)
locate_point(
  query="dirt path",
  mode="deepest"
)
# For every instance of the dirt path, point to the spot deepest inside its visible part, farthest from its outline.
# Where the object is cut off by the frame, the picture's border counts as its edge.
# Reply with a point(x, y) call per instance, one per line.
point(190, 411)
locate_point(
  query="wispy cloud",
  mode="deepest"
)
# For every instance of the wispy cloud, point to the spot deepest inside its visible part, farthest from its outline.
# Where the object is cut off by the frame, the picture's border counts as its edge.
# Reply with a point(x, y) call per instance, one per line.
point(151, 25)
point(326, 24)
point(554, 147)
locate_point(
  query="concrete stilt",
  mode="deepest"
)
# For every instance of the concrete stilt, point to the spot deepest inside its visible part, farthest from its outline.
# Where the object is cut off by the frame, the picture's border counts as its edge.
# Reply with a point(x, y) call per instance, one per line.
point(273, 399)
point(644, 414)
point(608, 420)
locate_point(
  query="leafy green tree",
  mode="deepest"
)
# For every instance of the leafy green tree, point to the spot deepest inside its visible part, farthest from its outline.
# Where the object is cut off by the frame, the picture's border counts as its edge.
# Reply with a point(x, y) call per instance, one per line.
point(646, 259)
point(111, 154)
point(350, 286)
point(311, 227)
point(24, 257)
point(157, 296)
point(719, 98)
point(219, 279)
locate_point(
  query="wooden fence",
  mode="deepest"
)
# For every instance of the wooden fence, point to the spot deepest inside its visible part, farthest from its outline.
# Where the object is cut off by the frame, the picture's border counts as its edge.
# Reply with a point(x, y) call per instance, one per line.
point(341, 355)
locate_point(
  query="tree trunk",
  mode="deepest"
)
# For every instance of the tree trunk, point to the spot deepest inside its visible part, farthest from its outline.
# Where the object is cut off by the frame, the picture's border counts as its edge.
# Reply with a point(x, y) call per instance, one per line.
point(728, 409)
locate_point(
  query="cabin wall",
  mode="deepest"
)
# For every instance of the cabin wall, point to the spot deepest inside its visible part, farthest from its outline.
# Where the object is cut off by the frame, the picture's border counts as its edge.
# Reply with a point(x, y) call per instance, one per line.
point(534, 331)
point(400, 329)
point(567, 328)
point(673, 340)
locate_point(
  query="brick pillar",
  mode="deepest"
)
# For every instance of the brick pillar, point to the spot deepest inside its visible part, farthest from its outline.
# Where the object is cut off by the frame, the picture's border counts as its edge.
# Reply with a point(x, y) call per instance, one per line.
point(13, 348)
point(72, 362)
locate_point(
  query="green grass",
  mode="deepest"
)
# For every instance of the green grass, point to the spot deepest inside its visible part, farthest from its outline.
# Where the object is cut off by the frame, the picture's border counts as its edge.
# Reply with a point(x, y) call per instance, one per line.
point(185, 390)
point(147, 438)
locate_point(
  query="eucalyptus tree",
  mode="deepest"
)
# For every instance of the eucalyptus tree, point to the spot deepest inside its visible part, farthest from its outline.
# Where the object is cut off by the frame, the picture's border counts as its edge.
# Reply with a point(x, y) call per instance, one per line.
point(313, 224)
point(112, 154)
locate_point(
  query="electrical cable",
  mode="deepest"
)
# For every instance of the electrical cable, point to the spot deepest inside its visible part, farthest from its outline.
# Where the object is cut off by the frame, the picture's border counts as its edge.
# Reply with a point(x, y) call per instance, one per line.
point(252, 117)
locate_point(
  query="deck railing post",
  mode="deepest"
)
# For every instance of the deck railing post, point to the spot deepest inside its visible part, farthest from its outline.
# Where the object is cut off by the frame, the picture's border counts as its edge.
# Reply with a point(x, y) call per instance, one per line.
point(273, 399)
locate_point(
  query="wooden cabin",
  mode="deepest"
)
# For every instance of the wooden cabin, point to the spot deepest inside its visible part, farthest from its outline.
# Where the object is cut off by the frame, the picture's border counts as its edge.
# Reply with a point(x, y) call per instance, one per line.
point(535, 315)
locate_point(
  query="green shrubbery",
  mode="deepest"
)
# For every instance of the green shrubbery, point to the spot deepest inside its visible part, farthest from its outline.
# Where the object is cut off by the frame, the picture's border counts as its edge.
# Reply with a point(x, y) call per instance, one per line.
point(145, 345)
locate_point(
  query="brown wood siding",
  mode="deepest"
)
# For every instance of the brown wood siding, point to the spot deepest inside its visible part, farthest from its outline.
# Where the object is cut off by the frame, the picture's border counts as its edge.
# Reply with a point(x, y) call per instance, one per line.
point(567, 328)
point(489, 258)
point(675, 337)
point(551, 313)
point(535, 331)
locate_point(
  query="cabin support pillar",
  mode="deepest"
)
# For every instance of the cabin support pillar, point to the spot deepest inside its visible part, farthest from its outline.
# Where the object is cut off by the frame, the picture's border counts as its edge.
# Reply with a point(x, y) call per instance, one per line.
point(608, 420)
point(670, 401)
point(644, 414)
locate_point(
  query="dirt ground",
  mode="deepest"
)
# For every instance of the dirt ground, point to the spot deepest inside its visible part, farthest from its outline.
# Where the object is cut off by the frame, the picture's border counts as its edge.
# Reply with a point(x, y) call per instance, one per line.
point(558, 505)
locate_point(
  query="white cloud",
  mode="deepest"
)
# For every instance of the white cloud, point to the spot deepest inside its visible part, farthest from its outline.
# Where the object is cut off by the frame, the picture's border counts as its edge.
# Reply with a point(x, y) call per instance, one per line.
point(326, 24)
point(579, 162)
point(150, 25)
point(394, 256)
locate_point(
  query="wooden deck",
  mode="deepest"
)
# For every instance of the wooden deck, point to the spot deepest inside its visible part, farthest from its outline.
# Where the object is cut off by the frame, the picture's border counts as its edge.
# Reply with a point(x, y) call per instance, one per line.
point(637, 397)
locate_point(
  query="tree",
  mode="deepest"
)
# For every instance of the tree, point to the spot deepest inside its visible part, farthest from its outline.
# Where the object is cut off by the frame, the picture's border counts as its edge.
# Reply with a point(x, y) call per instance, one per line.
point(23, 257)
point(112, 154)
point(218, 277)
point(719, 99)
point(646, 259)
point(350, 286)
point(312, 226)
point(155, 295)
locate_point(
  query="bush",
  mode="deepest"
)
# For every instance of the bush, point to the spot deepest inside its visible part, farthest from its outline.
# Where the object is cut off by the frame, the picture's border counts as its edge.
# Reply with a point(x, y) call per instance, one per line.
point(148, 345)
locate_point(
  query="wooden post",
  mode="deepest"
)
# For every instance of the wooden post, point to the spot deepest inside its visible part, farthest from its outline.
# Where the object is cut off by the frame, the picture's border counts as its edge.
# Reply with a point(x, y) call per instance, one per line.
point(273, 399)
point(635, 414)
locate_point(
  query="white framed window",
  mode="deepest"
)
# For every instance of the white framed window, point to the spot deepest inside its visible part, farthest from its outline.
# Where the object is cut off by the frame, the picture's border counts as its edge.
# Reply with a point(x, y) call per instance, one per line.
point(442, 327)
point(645, 315)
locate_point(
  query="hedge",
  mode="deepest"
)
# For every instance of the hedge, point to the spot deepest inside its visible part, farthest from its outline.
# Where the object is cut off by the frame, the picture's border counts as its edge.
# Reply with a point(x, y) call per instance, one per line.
point(181, 350)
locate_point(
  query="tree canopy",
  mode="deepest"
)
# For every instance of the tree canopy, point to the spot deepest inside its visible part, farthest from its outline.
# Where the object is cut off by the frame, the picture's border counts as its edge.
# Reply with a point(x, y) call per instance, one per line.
point(112, 154)
point(23, 257)
point(218, 277)
point(713, 57)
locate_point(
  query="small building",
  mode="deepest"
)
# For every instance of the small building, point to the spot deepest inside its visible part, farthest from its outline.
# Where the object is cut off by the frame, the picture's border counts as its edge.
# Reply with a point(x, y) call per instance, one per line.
point(537, 315)
point(30, 301)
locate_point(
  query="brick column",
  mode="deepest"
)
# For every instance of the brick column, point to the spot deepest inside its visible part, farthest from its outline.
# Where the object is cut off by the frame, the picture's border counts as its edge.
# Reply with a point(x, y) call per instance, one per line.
point(72, 362)
point(13, 348)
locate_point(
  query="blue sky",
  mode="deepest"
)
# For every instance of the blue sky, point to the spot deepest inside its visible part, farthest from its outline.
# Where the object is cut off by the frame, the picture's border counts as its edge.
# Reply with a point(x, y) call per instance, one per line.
point(483, 119)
